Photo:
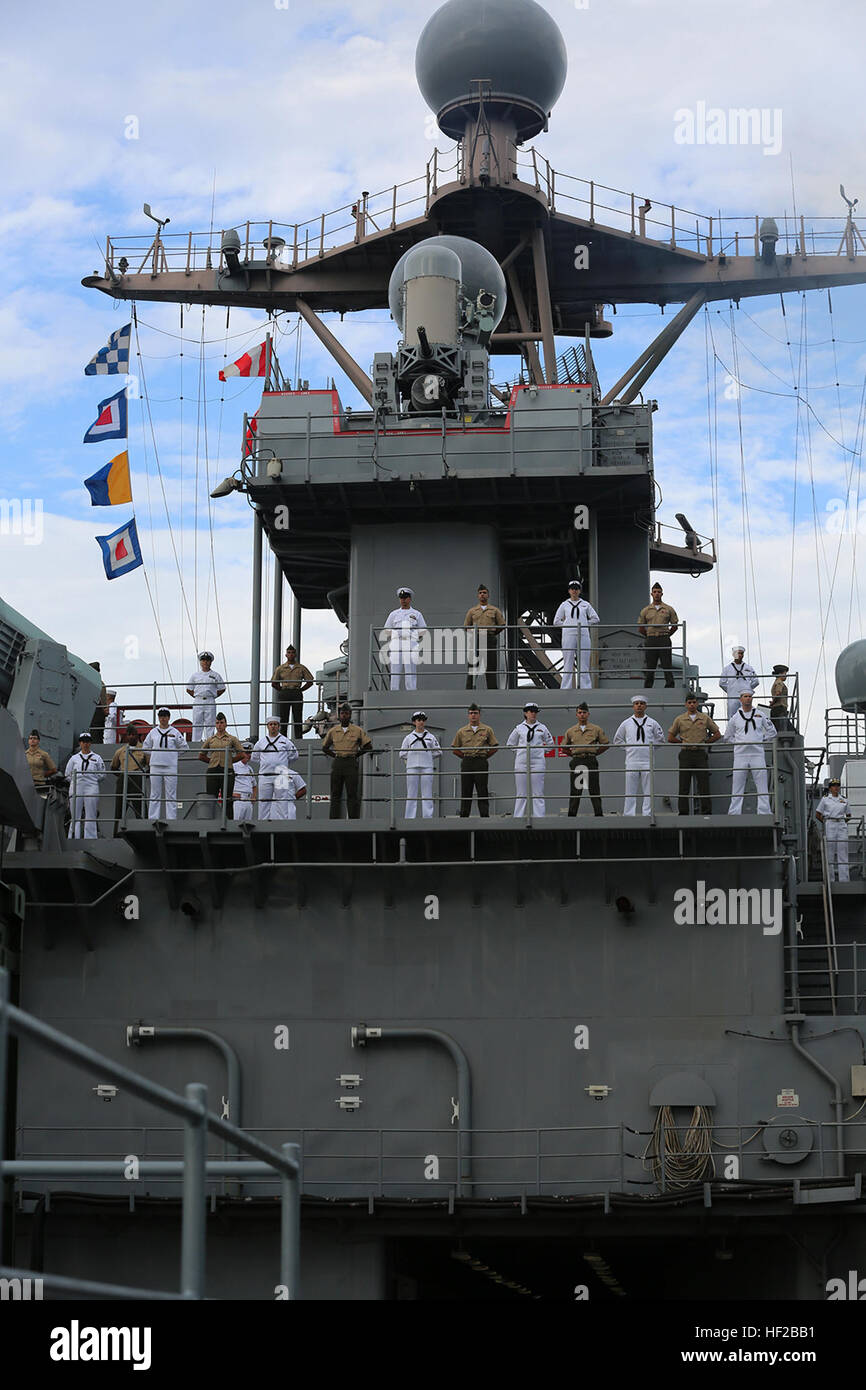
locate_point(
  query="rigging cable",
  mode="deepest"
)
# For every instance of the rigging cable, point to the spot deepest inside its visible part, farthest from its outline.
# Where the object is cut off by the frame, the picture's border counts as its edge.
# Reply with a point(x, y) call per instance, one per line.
point(713, 446)
point(146, 400)
point(152, 594)
point(748, 555)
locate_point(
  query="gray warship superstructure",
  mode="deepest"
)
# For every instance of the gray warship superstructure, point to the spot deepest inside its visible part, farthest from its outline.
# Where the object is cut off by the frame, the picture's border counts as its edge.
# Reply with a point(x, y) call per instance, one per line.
point(512, 1067)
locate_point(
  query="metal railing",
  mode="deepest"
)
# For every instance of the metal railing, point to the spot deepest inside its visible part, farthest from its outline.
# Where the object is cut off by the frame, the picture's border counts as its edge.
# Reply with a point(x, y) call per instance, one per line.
point(831, 978)
point(392, 793)
point(192, 1170)
point(542, 1161)
point(845, 733)
point(290, 246)
point(527, 657)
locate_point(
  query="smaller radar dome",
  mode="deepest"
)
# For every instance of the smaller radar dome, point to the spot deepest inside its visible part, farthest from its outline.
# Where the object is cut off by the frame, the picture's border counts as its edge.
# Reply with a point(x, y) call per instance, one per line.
point(513, 47)
point(479, 270)
point(851, 678)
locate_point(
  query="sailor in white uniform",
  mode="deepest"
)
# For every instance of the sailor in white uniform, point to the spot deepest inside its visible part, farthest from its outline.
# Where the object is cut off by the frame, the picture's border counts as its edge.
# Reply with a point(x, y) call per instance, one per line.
point(400, 645)
point(205, 686)
point(163, 746)
point(832, 812)
point(748, 731)
point(294, 789)
point(737, 676)
point(638, 734)
point(531, 740)
point(575, 617)
point(273, 756)
point(244, 794)
point(112, 720)
point(85, 771)
point(419, 752)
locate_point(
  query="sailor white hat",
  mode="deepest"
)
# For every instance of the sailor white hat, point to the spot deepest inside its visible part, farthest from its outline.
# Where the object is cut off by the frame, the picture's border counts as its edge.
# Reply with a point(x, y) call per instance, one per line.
point(274, 719)
point(638, 699)
point(737, 647)
point(531, 706)
point(405, 590)
point(574, 584)
point(205, 656)
point(85, 737)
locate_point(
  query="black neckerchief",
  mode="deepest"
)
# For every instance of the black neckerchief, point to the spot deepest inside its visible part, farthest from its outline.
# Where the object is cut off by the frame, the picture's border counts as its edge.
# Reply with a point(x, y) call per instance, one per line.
point(641, 730)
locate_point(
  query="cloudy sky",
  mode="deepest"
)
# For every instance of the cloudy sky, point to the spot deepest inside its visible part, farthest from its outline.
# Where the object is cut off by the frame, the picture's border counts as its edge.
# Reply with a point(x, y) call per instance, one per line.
point(272, 110)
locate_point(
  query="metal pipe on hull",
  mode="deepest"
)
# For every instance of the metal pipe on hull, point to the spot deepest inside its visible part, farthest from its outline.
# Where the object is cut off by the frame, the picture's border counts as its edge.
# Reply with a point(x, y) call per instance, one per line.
point(838, 1103)
point(361, 1035)
point(256, 647)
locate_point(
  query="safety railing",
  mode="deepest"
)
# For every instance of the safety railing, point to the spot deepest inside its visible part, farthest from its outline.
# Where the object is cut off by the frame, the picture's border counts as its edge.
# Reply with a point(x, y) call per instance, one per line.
point(192, 1170)
point(525, 656)
point(139, 703)
point(290, 246)
point(829, 980)
point(845, 733)
point(727, 703)
point(394, 785)
point(543, 1161)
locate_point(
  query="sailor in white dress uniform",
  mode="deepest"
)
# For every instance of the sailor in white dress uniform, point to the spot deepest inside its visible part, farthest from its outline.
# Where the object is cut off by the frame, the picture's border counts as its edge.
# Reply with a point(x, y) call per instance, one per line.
point(400, 644)
point(205, 686)
point(737, 676)
point(575, 617)
point(112, 720)
point(748, 731)
point(294, 791)
point(273, 756)
point(244, 794)
point(638, 734)
point(85, 771)
point(419, 752)
point(163, 746)
point(531, 740)
point(832, 812)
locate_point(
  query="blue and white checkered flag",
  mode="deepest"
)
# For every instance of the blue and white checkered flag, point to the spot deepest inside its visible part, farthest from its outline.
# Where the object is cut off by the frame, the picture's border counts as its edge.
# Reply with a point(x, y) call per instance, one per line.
point(112, 360)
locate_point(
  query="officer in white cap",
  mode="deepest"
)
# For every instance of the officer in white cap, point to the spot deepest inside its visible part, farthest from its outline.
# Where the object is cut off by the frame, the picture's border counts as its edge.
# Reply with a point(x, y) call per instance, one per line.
point(162, 747)
point(399, 640)
point(205, 686)
point(419, 751)
point(85, 771)
point(531, 740)
point(748, 731)
point(832, 812)
point(638, 734)
point(273, 756)
point(245, 789)
point(737, 676)
point(575, 616)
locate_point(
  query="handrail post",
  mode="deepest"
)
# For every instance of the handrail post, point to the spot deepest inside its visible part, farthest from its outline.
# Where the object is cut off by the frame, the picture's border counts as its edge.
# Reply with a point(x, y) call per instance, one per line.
point(225, 788)
point(309, 779)
point(194, 1230)
point(4, 1054)
point(391, 784)
point(290, 1224)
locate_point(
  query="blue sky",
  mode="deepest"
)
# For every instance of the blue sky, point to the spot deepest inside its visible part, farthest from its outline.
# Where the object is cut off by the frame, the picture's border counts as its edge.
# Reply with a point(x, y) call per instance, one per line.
point(263, 111)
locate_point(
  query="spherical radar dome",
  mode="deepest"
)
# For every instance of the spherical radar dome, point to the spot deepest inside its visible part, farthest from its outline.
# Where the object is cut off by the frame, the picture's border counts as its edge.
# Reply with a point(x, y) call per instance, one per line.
point(851, 677)
point(479, 271)
point(514, 44)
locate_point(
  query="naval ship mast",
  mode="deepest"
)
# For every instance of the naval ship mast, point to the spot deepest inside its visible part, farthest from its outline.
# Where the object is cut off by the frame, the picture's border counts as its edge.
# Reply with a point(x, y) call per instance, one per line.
point(509, 1068)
